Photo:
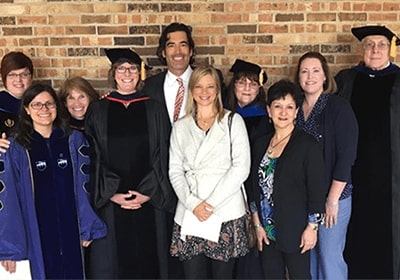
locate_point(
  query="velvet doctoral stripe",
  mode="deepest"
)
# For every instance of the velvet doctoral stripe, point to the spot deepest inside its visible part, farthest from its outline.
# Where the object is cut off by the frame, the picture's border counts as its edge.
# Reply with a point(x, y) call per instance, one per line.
point(9, 103)
point(56, 206)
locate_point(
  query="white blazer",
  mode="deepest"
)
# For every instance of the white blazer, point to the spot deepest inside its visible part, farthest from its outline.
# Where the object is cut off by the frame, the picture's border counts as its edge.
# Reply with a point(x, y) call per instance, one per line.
point(202, 166)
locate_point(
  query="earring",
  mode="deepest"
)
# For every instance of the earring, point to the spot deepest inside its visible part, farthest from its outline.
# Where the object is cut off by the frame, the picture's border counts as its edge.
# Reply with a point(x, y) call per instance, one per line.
point(269, 120)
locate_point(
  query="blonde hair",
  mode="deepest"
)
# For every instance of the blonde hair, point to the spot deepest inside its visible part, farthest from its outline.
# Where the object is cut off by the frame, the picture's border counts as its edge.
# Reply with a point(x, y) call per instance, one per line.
point(198, 73)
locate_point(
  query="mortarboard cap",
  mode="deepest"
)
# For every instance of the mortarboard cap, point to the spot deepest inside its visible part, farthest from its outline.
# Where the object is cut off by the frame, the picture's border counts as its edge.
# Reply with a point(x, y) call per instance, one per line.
point(244, 66)
point(127, 55)
point(364, 31)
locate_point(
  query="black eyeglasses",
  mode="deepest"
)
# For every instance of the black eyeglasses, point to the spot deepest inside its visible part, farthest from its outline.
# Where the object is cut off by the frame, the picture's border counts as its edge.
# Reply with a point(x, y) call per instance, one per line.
point(123, 69)
point(38, 106)
point(24, 75)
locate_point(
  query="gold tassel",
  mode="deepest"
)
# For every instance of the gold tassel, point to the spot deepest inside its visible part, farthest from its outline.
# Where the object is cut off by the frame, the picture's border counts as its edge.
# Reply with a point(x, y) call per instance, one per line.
point(393, 47)
point(142, 71)
point(261, 77)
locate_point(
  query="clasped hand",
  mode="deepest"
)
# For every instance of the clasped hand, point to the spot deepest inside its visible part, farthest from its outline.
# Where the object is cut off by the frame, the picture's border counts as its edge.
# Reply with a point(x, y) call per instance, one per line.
point(203, 211)
point(132, 200)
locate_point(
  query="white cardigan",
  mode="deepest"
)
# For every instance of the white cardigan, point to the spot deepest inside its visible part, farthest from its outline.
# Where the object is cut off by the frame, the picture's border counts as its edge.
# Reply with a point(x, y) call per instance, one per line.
point(201, 167)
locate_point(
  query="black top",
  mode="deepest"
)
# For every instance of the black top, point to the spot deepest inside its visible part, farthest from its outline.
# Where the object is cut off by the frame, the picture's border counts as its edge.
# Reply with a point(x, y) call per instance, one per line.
point(333, 124)
point(297, 192)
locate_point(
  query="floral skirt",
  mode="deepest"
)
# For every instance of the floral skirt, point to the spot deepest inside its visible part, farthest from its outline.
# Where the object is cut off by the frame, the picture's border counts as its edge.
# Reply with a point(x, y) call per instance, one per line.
point(232, 243)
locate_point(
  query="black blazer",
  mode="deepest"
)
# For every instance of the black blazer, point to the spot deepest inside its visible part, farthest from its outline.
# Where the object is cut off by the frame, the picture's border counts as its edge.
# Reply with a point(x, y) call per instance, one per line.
point(154, 87)
point(298, 186)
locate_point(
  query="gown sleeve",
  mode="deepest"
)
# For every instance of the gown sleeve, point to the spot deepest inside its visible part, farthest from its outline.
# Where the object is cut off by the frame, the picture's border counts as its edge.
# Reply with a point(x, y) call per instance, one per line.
point(13, 239)
point(156, 183)
point(103, 182)
point(91, 226)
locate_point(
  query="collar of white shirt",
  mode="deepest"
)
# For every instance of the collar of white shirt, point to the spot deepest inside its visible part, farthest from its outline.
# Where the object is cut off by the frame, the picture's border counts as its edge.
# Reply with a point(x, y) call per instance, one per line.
point(171, 88)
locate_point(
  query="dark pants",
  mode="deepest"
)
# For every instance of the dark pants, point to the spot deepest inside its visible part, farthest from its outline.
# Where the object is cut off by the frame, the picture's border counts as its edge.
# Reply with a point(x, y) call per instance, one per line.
point(249, 266)
point(202, 267)
point(276, 262)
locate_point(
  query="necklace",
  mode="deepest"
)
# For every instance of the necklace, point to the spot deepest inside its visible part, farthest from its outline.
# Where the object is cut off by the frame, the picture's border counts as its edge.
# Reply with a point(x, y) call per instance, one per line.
point(271, 147)
point(205, 122)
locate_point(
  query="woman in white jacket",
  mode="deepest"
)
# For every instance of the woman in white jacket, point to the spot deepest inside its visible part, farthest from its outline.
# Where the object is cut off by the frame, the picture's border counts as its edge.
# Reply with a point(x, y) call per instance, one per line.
point(209, 161)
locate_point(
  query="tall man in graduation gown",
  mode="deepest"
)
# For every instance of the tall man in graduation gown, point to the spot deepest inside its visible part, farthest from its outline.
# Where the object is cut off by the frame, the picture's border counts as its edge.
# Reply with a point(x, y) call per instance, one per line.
point(373, 89)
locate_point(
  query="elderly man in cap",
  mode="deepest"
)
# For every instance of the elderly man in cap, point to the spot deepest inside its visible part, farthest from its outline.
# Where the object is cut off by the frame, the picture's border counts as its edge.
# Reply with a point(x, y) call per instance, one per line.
point(373, 89)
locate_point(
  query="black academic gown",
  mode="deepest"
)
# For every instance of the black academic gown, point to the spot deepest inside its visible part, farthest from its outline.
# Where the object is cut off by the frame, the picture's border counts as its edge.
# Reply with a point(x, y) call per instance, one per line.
point(116, 167)
point(9, 107)
point(154, 87)
point(77, 124)
point(373, 242)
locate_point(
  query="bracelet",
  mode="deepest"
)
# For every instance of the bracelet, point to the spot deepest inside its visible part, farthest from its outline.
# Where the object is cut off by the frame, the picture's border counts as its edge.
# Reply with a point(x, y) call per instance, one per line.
point(256, 226)
point(313, 226)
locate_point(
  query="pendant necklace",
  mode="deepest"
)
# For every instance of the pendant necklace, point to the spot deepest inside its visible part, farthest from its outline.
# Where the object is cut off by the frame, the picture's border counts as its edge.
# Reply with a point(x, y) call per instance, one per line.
point(271, 147)
point(205, 122)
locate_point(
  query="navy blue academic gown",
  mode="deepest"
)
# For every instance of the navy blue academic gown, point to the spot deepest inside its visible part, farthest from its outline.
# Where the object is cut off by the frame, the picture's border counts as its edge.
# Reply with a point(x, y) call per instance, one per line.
point(44, 207)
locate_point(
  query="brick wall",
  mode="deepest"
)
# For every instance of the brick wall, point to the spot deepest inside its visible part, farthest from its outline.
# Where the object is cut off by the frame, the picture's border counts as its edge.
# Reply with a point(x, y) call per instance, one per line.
point(68, 37)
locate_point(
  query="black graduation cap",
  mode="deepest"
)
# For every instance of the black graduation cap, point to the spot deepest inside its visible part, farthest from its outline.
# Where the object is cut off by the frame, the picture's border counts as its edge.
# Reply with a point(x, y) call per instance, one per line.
point(127, 55)
point(244, 66)
point(363, 31)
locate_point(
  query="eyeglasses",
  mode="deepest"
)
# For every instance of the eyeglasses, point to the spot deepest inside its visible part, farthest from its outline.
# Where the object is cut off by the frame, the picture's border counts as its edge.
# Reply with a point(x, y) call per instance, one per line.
point(24, 75)
point(38, 106)
point(242, 84)
point(369, 45)
point(123, 69)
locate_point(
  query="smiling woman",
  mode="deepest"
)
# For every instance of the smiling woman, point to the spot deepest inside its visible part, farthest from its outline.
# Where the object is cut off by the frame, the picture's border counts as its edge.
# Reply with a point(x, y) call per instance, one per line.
point(209, 160)
point(246, 96)
point(42, 111)
point(76, 93)
point(47, 217)
point(16, 73)
point(128, 148)
point(331, 121)
point(284, 187)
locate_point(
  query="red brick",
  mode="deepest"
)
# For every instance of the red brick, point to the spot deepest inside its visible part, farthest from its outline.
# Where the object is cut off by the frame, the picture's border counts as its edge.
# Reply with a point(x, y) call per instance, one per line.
point(68, 37)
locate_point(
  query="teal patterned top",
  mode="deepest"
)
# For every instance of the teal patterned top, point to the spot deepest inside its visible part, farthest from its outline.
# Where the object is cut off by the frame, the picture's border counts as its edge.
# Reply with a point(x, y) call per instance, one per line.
point(266, 172)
